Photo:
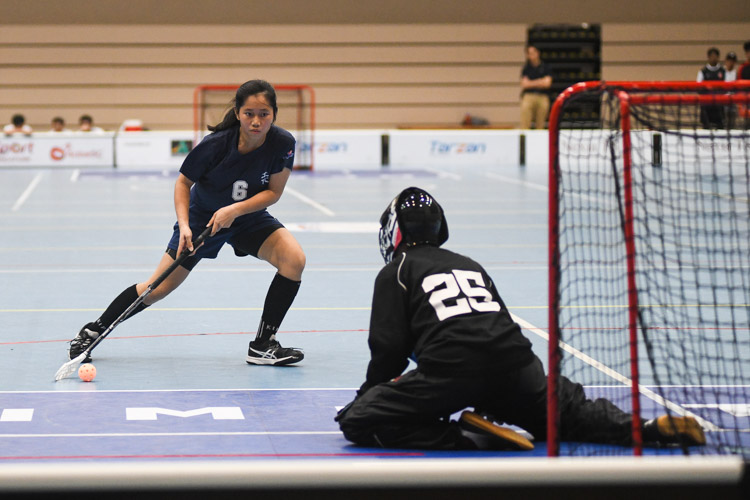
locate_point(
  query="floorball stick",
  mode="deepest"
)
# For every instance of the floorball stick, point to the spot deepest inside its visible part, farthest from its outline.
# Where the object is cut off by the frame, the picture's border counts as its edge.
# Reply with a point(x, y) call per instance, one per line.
point(71, 366)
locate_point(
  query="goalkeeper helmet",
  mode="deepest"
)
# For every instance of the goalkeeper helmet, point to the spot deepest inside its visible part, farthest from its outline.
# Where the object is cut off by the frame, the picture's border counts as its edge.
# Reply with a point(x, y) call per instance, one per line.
point(411, 218)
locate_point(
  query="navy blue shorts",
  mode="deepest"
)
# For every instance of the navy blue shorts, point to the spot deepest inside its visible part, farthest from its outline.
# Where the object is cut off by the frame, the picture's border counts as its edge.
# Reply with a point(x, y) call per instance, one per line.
point(245, 238)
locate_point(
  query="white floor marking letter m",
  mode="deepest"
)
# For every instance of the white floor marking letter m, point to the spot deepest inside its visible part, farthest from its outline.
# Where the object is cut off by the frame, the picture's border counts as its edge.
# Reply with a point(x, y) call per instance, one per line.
point(217, 412)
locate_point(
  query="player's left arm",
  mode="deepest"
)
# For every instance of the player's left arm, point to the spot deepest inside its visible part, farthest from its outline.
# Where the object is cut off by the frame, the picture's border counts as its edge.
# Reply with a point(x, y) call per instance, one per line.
point(224, 217)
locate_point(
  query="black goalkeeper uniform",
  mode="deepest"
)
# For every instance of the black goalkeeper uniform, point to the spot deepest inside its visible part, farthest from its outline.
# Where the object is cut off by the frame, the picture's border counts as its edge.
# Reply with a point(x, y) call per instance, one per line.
point(443, 310)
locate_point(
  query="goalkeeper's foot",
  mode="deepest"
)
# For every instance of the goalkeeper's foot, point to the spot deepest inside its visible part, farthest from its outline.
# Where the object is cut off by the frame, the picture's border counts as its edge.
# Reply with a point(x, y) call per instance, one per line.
point(82, 341)
point(271, 353)
point(674, 430)
point(500, 438)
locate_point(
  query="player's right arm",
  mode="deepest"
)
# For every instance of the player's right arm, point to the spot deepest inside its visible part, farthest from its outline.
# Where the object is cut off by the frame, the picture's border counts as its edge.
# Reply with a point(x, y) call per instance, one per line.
point(390, 339)
point(182, 209)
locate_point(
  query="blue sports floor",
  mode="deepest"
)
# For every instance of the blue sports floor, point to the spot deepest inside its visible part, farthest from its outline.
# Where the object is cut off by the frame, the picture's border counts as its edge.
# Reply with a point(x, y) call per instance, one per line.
point(172, 382)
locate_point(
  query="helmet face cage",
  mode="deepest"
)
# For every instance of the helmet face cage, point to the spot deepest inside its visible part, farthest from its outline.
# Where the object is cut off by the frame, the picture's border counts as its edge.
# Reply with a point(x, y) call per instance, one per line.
point(412, 218)
point(390, 235)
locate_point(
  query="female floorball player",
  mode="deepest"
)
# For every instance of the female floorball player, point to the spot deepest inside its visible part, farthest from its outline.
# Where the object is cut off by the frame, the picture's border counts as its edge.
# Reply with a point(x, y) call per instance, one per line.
point(227, 182)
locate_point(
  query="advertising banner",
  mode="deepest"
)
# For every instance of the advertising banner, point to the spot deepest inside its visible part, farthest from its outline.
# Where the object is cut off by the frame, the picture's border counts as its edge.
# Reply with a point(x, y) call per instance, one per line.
point(421, 148)
point(347, 149)
point(157, 149)
point(57, 150)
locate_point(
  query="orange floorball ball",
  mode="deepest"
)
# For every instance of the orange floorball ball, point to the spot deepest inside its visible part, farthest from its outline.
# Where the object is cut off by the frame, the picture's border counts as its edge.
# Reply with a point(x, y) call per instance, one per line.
point(87, 372)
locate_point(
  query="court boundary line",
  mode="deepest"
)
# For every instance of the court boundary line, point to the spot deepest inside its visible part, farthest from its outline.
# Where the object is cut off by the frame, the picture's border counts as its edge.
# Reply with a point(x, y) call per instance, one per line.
point(27, 192)
point(362, 308)
point(309, 201)
point(130, 248)
point(189, 309)
point(168, 434)
point(188, 390)
point(258, 268)
point(176, 335)
point(626, 381)
point(219, 455)
point(289, 389)
point(517, 182)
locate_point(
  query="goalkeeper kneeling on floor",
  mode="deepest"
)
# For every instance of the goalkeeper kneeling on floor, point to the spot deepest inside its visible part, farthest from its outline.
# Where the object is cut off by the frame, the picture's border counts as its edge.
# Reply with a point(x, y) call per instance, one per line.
point(442, 310)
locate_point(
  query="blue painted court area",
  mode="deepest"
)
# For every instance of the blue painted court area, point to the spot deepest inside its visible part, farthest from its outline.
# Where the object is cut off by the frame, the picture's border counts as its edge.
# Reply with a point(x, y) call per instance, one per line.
point(72, 240)
point(172, 382)
point(173, 424)
point(216, 424)
point(181, 424)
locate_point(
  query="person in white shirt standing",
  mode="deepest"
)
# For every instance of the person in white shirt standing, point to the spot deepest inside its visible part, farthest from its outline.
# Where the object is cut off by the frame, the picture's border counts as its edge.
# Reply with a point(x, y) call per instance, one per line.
point(730, 67)
point(730, 75)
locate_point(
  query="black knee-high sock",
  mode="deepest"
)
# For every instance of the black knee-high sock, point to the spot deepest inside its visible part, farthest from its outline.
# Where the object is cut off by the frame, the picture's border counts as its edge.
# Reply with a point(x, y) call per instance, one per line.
point(279, 299)
point(117, 307)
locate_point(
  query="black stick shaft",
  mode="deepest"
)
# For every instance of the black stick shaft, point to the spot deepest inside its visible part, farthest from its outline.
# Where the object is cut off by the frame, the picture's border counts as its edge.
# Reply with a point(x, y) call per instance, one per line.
point(179, 260)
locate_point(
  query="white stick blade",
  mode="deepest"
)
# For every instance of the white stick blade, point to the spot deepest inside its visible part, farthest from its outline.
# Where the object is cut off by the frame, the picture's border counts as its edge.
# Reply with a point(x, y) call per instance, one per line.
point(67, 369)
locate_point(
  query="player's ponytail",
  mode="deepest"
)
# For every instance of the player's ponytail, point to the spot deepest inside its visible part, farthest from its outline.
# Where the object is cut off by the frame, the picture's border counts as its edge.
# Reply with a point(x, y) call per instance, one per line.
point(247, 89)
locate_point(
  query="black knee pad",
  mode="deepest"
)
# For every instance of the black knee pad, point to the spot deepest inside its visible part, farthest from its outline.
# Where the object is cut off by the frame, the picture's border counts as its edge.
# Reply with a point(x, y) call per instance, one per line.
point(188, 263)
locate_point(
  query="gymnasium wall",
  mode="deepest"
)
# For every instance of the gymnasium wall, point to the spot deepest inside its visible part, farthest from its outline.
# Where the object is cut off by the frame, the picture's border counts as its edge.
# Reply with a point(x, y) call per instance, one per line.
point(417, 71)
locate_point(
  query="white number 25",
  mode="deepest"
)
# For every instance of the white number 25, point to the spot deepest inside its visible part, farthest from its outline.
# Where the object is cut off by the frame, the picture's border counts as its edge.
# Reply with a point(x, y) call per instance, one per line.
point(468, 285)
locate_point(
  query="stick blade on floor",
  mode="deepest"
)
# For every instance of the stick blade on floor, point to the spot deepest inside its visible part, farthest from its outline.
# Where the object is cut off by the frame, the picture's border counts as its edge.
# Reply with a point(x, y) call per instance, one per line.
point(69, 368)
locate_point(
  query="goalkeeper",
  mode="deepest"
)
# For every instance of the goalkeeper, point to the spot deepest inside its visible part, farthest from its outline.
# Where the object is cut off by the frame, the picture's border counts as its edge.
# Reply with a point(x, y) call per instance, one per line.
point(442, 309)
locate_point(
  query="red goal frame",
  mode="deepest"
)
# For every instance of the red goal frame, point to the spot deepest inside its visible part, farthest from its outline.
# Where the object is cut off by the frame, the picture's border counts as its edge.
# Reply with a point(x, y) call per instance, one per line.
point(628, 93)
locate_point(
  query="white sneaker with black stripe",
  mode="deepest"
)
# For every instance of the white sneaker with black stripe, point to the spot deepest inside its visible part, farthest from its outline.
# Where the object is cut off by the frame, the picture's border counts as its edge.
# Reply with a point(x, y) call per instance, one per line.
point(82, 341)
point(271, 353)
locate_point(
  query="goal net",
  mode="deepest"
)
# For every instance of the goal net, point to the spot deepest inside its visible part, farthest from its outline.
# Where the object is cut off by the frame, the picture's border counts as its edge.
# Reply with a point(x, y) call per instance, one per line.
point(649, 270)
point(296, 114)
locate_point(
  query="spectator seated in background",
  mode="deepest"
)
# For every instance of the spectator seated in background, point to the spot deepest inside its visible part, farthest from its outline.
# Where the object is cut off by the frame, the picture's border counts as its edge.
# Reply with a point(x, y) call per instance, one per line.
point(17, 125)
point(58, 125)
point(535, 83)
point(86, 124)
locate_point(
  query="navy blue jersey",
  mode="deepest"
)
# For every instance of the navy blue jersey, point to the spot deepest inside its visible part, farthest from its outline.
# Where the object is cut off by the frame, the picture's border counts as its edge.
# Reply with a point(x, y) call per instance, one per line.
point(222, 175)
